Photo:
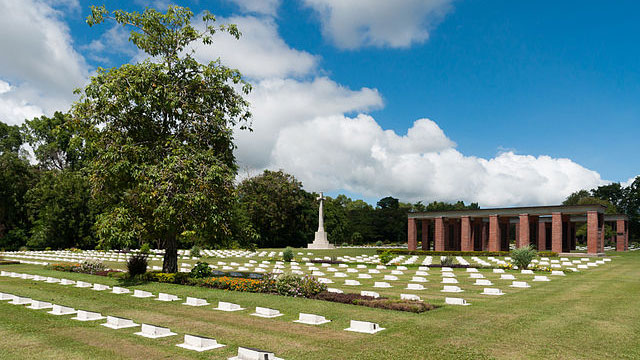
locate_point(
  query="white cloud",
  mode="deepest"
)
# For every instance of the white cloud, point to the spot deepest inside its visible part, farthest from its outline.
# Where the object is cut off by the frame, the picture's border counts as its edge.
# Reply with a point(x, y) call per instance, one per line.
point(37, 57)
point(629, 181)
point(278, 104)
point(329, 153)
point(381, 23)
point(259, 53)
point(265, 7)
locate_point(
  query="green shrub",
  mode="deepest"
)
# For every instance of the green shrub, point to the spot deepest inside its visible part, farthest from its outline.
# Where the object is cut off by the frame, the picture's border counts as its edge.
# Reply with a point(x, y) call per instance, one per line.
point(378, 243)
point(48, 248)
point(287, 254)
point(201, 270)
point(344, 244)
point(447, 261)
point(91, 267)
point(298, 286)
point(145, 249)
point(522, 257)
point(137, 264)
point(385, 257)
point(195, 251)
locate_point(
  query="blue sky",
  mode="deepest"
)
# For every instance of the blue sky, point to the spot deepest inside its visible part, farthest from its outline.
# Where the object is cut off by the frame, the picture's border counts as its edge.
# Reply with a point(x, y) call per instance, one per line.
point(522, 102)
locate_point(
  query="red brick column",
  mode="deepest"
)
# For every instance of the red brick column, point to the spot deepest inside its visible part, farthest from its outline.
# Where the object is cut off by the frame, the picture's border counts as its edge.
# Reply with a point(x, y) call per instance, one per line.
point(620, 235)
point(626, 235)
point(465, 234)
point(439, 234)
point(525, 236)
point(425, 234)
point(517, 235)
point(601, 229)
point(412, 242)
point(542, 236)
point(592, 232)
point(556, 232)
point(485, 236)
point(494, 233)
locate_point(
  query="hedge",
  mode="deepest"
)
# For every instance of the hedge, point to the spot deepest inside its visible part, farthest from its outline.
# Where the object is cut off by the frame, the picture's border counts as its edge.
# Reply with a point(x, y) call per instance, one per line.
point(458, 253)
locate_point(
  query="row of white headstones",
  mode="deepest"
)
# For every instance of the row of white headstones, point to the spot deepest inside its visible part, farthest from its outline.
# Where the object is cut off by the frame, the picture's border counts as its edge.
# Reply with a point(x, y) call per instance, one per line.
point(304, 318)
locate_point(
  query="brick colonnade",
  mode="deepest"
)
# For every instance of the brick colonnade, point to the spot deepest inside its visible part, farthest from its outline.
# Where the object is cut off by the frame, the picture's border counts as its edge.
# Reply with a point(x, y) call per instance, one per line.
point(556, 233)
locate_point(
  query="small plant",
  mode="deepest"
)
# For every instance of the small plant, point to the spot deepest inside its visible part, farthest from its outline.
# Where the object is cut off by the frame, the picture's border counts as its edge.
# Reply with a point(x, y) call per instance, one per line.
point(344, 244)
point(201, 270)
point(195, 251)
point(287, 254)
point(298, 286)
point(378, 243)
point(385, 257)
point(91, 267)
point(522, 257)
point(137, 264)
point(145, 249)
point(447, 261)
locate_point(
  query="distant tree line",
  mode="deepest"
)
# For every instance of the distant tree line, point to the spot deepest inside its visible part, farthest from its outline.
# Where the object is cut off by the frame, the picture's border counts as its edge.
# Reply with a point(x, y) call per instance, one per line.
point(617, 199)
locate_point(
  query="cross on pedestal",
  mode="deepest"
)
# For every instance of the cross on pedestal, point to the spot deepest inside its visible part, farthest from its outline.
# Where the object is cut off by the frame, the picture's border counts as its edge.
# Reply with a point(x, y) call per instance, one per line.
point(320, 240)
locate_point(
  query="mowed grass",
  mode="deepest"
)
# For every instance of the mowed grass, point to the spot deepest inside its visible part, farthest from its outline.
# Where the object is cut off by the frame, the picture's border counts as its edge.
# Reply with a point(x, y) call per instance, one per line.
point(591, 315)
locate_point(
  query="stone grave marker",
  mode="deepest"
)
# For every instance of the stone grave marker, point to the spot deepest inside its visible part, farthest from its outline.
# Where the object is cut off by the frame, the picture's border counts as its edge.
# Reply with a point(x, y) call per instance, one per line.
point(141, 294)
point(245, 353)
point(116, 323)
point(167, 297)
point(364, 327)
point(61, 310)
point(191, 301)
point(311, 319)
point(39, 305)
point(520, 284)
point(492, 291)
point(451, 289)
point(410, 297)
point(154, 332)
point(227, 306)
point(83, 315)
point(266, 312)
point(370, 293)
point(456, 301)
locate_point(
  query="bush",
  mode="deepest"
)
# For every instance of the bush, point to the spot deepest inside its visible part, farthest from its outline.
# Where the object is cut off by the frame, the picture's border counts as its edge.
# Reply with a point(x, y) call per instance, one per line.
point(379, 243)
point(145, 249)
point(235, 284)
point(201, 270)
point(287, 254)
point(137, 264)
point(298, 286)
point(195, 251)
point(447, 261)
point(91, 267)
point(380, 303)
point(522, 257)
point(64, 267)
point(344, 244)
point(385, 257)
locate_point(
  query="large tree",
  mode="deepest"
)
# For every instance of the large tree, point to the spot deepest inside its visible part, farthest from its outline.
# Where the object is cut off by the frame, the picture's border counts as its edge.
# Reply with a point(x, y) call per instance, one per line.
point(279, 209)
point(162, 132)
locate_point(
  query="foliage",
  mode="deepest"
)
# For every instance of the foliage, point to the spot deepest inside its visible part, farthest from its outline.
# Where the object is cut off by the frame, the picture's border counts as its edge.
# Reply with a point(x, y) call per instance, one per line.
point(161, 131)
point(91, 267)
point(386, 256)
point(195, 251)
point(145, 249)
point(64, 267)
point(298, 286)
point(277, 207)
point(506, 266)
point(235, 284)
point(164, 277)
point(380, 303)
point(522, 257)
point(447, 261)
point(200, 270)
point(287, 254)
point(137, 264)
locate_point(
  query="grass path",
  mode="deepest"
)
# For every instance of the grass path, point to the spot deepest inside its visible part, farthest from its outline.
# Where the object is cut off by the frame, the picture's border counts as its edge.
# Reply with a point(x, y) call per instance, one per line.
point(592, 315)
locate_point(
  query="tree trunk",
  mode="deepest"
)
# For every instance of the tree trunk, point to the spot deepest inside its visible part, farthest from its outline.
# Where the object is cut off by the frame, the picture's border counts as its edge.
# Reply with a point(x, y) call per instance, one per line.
point(170, 264)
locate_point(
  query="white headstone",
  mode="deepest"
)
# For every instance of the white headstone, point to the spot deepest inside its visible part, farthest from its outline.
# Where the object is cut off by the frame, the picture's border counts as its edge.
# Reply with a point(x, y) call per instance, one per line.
point(492, 291)
point(253, 354)
point(410, 297)
point(227, 306)
point(456, 301)
point(38, 305)
point(154, 332)
point(380, 284)
point(451, 289)
point(61, 310)
point(17, 300)
point(83, 315)
point(191, 301)
point(141, 294)
point(364, 327)
point(199, 343)
point(266, 312)
point(370, 293)
point(119, 323)
point(167, 297)
point(519, 284)
point(311, 319)
point(119, 290)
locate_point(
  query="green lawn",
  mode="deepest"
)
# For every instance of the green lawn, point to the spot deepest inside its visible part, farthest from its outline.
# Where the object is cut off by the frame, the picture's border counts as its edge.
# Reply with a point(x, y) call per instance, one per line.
point(591, 315)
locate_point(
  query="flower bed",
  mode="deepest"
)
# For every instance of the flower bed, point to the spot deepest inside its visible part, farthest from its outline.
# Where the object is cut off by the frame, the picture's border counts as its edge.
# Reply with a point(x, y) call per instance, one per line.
point(380, 303)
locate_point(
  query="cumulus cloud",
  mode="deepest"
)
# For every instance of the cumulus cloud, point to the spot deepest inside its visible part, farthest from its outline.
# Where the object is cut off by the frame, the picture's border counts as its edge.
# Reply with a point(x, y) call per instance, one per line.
point(37, 58)
point(629, 181)
point(278, 104)
point(356, 154)
point(259, 53)
point(380, 23)
point(265, 7)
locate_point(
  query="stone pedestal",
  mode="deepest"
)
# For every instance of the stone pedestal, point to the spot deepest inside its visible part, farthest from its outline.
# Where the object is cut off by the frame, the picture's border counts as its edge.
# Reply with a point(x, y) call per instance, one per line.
point(320, 241)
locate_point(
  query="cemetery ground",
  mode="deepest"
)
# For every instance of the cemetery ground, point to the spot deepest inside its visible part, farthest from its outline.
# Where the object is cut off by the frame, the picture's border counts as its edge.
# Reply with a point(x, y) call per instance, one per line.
point(587, 315)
